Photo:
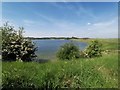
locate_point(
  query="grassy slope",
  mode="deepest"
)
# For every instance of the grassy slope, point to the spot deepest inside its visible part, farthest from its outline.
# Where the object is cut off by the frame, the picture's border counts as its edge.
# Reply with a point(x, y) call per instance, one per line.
point(0, 35)
point(0, 38)
point(0, 44)
point(94, 72)
point(108, 44)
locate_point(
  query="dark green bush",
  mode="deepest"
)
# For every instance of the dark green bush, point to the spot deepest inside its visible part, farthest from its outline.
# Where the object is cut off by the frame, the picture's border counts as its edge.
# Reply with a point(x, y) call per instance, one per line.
point(68, 51)
point(93, 50)
point(15, 46)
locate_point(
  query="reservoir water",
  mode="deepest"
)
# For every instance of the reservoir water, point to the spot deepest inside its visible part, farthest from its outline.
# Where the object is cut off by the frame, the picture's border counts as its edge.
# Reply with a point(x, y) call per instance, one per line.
point(47, 49)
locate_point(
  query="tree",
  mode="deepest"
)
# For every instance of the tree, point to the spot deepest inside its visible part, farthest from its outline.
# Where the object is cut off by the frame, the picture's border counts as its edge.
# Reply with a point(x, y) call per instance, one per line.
point(15, 46)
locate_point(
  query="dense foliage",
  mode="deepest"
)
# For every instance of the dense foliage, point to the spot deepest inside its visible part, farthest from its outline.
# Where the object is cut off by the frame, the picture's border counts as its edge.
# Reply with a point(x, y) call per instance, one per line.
point(94, 49)
point(68, 51)
point(14, 46)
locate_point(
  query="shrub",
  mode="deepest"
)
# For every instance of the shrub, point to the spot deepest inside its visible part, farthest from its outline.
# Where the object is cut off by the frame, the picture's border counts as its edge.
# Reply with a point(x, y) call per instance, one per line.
point(15, 46)
point(68, 51)
point(93, 50)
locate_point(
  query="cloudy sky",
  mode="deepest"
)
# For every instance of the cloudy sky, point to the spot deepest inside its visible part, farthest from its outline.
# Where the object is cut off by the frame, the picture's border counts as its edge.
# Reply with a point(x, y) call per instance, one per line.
point(63, 19)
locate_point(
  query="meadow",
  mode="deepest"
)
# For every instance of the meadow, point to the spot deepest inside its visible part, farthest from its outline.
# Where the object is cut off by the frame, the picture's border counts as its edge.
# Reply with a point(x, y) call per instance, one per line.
point(97, 72)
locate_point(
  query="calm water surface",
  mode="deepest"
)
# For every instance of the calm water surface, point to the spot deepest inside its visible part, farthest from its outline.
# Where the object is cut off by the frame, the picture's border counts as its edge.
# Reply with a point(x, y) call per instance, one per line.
point(47, 48)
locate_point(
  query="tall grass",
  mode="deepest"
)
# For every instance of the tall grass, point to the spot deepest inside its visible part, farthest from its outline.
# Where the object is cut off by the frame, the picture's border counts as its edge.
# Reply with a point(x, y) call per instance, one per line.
point(80, 73)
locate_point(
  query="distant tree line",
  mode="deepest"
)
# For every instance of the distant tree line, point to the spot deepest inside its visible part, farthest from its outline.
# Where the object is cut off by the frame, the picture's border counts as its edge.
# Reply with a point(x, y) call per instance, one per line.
point(66, 38)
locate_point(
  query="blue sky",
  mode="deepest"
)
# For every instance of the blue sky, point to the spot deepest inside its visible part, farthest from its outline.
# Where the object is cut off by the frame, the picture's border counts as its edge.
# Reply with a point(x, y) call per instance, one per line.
point(59, 19)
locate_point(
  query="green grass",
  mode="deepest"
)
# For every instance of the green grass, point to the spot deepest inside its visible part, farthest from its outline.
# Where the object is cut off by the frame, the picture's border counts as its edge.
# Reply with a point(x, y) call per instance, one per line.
point(108, 44)
point(0, 39)
point(99, 72)
point(0, 35)
point(89, 73)
point(0, 42)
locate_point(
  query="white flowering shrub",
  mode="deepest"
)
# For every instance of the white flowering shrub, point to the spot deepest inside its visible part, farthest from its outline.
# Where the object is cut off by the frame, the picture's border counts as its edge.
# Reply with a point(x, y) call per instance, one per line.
point(93, 50)
point(15, 46)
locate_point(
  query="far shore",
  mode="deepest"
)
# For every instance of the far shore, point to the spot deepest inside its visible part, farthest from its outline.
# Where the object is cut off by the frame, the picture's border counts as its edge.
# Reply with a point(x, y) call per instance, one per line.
point(53, 38)
point(86, 39)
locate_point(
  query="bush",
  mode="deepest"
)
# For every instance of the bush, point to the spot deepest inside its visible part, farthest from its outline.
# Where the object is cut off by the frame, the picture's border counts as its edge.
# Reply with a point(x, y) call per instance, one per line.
point(68, 51)
point(93, 50)
point(15, 46)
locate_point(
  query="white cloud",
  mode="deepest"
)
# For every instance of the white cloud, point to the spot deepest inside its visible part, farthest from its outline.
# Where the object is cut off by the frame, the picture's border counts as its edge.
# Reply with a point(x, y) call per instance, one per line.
point(28, 21)
point(85, 11)
point(107, 29)
point(88, 23)
point(107, 23)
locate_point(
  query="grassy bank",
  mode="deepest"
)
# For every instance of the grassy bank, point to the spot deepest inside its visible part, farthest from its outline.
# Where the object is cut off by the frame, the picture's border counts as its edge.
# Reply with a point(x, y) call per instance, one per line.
point(99, 72)
point(95, 72)
point(108, 44)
